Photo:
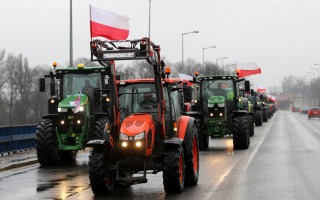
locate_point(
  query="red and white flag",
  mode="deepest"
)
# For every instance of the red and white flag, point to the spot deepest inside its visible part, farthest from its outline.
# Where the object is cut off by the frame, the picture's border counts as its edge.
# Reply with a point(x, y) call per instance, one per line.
point(247, 69)
point(108, 24)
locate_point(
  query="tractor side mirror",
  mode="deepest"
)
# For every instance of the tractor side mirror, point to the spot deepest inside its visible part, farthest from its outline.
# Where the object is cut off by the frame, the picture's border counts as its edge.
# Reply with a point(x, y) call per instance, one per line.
point(42, 85)
point(187, 90)
point(247, 86)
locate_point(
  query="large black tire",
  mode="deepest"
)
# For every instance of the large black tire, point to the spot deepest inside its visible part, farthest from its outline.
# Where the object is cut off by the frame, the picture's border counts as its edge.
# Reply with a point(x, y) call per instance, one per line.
point(174, 170)
point(192, 163)
point(251, 125)
point(204, 139)
point(47, 145)
point(101, 180)
point(98, 128)
point(265, 115)
point(258, 118)
point(241, 137)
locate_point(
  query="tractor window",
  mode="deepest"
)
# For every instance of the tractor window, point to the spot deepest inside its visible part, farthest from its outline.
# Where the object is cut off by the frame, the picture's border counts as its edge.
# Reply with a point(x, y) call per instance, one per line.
point(80, 83)
point(217, 88)
point(176, 108)
point(134, 98)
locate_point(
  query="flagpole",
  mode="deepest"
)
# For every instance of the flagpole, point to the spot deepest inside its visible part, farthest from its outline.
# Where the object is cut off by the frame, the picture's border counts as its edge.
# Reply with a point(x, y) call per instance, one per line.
point(90, 23)
point(149, 17)
point(71, 44)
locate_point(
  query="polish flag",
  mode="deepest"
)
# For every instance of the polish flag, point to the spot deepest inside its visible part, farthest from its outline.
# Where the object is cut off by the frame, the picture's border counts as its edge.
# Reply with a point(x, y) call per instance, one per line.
point(108, 24)
point(247, 69)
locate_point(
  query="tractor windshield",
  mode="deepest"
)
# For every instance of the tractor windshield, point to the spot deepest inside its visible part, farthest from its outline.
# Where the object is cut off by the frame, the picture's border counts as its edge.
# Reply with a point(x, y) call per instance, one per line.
point(137, 98)
point(217, 88)
point(80, 83)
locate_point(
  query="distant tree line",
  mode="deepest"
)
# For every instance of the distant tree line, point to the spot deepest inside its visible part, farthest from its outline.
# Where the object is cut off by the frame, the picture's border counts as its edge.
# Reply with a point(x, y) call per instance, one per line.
point(22, 103)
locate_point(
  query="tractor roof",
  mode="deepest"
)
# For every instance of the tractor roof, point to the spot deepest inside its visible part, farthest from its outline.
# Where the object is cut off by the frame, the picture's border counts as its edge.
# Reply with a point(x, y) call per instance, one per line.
point(81, 70)
point(218, 77)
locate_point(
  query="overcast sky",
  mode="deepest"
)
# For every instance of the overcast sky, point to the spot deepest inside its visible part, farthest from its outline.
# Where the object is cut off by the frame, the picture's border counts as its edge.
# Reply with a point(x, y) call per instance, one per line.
point(281, 36)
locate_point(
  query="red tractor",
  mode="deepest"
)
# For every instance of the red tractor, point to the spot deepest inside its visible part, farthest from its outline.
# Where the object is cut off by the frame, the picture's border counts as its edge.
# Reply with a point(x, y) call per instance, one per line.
point(146, 132)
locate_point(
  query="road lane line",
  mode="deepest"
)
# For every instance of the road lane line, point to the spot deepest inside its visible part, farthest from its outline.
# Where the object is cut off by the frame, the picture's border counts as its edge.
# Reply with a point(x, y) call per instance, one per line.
point(265, 132)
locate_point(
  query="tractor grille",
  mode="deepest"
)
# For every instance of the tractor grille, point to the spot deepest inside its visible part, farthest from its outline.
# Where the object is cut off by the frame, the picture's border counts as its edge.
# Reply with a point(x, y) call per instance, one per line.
point(216, 112)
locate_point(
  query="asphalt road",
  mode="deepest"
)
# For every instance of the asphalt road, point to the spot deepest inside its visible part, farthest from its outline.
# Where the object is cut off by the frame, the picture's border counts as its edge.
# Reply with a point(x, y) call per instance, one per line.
point(282, 163)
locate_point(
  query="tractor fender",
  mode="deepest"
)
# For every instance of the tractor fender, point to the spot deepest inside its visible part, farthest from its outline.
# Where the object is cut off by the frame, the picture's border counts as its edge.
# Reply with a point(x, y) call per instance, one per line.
point(173, 142)
point(183, 124)
point(96, 143)
point(239, 112)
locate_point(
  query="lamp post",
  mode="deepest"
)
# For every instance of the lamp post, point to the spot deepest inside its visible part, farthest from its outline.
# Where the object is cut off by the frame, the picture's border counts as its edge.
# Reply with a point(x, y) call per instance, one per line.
point(203, 53)
point(318, 85)
point(182, 42)
point(220, 59)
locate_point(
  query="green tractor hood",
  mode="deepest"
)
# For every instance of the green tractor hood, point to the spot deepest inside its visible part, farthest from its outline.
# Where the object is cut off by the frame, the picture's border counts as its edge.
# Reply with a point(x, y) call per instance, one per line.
point(216, 100)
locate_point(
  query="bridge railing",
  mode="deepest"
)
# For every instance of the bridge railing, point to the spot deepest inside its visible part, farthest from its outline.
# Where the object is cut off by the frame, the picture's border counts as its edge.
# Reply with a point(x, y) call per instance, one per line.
point(16, 138)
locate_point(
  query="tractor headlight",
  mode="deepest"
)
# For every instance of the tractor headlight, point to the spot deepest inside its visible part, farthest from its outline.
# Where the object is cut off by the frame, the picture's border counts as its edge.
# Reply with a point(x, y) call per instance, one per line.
point(81, 108)
point(211, 114)
point(123, 137)
point(124, 144)
point(210, 105)
point(139, 136)
point(138, 144)
point(220, 104)
point(221, 114)
point(62, 109)
point(52, 101)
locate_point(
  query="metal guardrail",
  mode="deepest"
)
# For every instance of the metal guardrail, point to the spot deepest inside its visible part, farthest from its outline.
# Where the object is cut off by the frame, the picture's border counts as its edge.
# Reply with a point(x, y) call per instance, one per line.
point(15, 138)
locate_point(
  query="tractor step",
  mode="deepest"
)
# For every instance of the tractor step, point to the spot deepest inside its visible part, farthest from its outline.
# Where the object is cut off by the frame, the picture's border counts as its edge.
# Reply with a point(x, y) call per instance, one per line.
point(131, 180)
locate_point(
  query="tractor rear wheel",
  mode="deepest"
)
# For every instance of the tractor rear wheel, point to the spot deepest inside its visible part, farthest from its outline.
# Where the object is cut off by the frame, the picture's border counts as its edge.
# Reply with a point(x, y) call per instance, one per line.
point(265, 115)
point(47, 145)
point(251, 125)
point(204, 139)
point(241, 138)
point(101, 179)
point(192, 164)
point(98, 128)
point(258, 118)
point(174, 170)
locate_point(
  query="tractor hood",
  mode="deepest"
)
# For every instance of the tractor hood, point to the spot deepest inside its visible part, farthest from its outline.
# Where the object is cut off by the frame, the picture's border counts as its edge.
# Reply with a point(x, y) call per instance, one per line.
point(71, 101)
point(216, 100)
point(137, 123)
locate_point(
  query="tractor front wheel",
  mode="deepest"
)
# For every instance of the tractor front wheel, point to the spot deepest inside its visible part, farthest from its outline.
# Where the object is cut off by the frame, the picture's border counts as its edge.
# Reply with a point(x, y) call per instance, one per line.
point(241, 138)
point(174, 170)
point(47, 145)
point(101, 179)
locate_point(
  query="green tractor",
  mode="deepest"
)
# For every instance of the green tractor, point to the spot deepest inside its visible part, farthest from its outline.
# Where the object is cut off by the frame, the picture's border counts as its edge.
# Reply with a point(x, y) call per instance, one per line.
point(221, 109)
point(77, 113)
point(256, 99)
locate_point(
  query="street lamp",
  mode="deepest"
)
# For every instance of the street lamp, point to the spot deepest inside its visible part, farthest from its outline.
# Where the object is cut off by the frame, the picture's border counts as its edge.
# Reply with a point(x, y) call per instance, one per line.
point(220, 59)
point(203, 53)
point(182, 41)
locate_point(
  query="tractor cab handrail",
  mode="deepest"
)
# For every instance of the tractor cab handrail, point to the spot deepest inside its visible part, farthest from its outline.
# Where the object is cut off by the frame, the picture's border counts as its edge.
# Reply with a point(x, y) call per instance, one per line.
point(139, 49)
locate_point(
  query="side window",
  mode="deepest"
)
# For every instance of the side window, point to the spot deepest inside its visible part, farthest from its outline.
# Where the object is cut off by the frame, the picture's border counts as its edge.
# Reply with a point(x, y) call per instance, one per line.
point(176, 108)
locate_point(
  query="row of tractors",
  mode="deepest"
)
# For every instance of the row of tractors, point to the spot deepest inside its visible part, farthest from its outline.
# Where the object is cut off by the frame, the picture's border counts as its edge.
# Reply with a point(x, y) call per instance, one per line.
point(141, 126)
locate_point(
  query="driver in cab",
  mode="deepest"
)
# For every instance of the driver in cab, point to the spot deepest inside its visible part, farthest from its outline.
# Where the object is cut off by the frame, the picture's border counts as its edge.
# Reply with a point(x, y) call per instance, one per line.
point(148, 102)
